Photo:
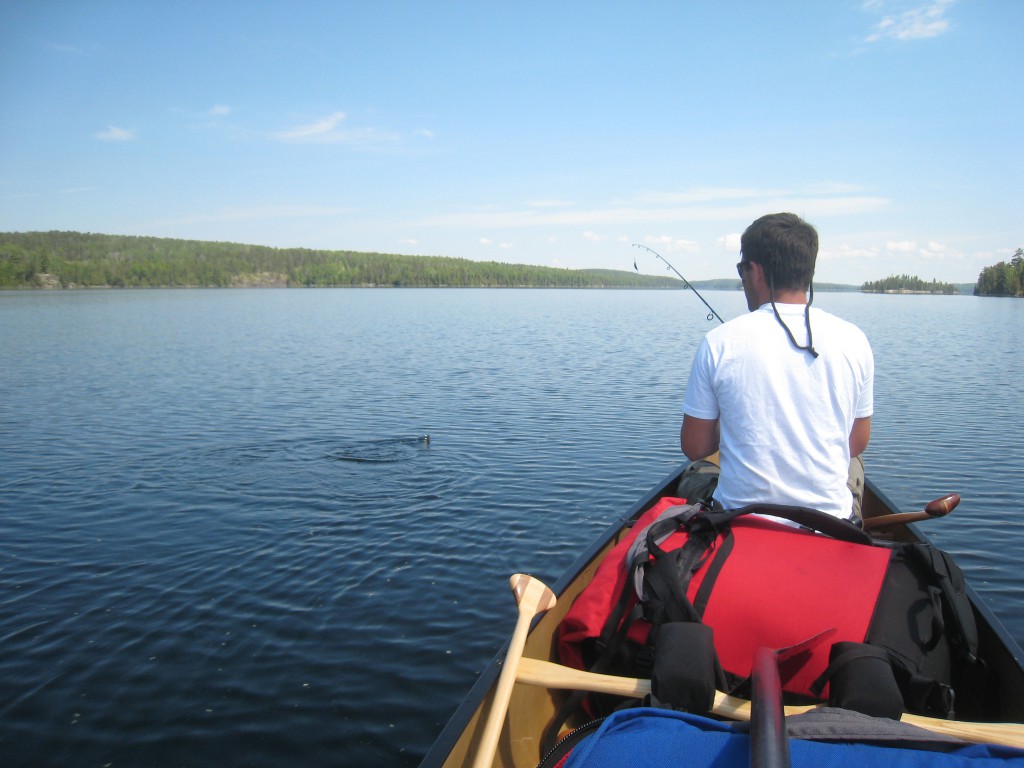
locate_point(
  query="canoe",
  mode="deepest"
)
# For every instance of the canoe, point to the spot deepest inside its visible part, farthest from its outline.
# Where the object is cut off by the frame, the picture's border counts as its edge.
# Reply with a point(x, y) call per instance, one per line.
point(532, 706)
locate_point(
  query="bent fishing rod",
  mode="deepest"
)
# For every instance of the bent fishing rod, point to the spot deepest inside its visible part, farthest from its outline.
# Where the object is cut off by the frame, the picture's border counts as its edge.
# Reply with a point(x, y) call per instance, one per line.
point(712, 312)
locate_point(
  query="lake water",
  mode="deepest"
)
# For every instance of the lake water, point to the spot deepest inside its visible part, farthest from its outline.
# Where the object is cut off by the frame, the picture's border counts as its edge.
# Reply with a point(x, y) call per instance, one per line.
point(224, 540)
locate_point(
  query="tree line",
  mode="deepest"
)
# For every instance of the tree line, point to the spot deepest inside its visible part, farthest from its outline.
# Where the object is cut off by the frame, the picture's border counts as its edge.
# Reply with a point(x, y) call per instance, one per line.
point(908, 284)
point(1003, 279)
point(83, 260)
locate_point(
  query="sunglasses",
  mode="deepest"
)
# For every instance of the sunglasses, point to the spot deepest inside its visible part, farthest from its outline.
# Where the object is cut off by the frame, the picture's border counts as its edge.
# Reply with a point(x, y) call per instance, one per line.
point(742, 267)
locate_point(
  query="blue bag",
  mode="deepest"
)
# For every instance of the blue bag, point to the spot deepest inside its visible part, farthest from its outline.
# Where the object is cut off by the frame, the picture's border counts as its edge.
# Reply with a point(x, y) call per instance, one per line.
point(654, 738)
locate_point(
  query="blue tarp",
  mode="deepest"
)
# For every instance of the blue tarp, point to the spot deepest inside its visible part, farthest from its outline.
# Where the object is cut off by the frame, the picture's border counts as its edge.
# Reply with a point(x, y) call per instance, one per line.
point(656, 738)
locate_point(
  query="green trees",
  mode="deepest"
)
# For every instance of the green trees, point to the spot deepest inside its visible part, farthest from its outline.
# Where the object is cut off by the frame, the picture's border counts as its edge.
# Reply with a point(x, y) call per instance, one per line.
point(908, 284)
point(1002, 279)
point(77, 260)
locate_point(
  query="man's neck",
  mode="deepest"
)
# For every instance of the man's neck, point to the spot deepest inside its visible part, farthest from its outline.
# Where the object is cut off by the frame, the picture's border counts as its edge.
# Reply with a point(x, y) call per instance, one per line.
point(790, 297)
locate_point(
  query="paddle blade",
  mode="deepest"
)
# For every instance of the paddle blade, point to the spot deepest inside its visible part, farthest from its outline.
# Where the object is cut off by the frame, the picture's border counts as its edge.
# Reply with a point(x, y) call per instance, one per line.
point(943, 506)
point(531, 593)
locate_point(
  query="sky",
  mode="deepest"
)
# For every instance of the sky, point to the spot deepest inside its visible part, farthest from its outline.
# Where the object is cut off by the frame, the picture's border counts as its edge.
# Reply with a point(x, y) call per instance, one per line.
point(551, 133)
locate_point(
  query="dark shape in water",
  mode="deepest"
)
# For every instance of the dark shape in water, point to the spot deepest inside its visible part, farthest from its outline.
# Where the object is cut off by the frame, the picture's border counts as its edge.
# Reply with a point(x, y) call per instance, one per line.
point(383, 451)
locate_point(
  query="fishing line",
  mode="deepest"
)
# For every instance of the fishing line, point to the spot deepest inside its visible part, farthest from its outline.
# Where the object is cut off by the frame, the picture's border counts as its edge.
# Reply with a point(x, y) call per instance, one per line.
point(712, 312)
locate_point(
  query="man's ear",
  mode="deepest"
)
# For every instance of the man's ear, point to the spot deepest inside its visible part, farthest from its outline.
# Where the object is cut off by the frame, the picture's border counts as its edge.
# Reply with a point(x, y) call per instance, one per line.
point(758, 282)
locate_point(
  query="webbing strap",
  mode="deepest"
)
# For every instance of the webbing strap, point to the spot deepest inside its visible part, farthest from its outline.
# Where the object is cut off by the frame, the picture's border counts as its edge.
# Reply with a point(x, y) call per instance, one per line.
point(850, 652)
point(725, 547)
point(950, 580)
point(667, 596)
point(822, 522)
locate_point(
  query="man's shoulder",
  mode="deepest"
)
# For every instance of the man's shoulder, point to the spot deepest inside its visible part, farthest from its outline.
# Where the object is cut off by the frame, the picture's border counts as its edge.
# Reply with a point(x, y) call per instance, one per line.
point(740, 324)
point(746, 326)
point(822, 317)
point(831, 331)
point(725, 335)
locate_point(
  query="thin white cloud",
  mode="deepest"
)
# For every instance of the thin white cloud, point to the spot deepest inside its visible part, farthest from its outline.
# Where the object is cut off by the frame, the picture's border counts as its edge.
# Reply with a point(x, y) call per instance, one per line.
point(219, 109)
point(905, 246)
point(917, 23)
point(547, 203)
point(66, 48)
point(259, 213)
point(938, 252)
point(847, 253)
point(325, 129)
point(113, 133)
point(328, 130)
point(409, 241)
point(703, 195)
point(670, 244)
point(730, 242)
point(670, 208)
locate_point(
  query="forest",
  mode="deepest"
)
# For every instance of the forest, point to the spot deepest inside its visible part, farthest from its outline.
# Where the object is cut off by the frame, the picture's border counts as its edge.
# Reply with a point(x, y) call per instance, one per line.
point(1003, 279)
point(81, 260)
point(86, 260)
point(908, 284)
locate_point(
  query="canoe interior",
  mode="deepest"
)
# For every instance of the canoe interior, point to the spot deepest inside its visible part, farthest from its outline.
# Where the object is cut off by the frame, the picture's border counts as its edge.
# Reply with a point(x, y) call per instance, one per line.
point(532, 708)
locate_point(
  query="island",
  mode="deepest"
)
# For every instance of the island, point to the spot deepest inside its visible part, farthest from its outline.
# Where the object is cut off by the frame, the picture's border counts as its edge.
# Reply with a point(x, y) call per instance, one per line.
point(907, 284)
point(1003, 278)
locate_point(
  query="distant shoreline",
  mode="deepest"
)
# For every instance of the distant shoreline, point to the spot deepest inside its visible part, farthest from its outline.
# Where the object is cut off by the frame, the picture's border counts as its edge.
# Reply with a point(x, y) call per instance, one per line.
point(52, 283)
point(86, 261)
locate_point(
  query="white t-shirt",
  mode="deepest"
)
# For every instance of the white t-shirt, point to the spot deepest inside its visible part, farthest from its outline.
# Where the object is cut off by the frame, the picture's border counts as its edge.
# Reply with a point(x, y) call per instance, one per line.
point(784, 416)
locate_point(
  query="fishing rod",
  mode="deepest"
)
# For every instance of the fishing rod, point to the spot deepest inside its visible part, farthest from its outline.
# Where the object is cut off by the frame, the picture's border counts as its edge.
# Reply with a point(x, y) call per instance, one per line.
point(712, 313)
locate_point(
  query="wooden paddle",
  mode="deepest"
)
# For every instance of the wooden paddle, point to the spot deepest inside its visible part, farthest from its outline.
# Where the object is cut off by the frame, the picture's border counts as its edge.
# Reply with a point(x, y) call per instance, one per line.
point(547, 674)
point(533, 597)
point(937, 508)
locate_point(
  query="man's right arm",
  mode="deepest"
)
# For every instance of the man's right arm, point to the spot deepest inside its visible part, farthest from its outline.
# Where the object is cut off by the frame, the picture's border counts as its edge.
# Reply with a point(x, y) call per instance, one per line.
point(859, 436)
point(698, 437)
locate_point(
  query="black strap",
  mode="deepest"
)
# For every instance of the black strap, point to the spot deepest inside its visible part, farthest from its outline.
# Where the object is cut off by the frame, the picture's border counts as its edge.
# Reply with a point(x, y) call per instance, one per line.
point(662, 528)
point(725, 547)
point(930, 697)
point(862, 679)
point(837, 528)
point(948, 577)
point(847, 653)
point(612, 625)
point(666, 597)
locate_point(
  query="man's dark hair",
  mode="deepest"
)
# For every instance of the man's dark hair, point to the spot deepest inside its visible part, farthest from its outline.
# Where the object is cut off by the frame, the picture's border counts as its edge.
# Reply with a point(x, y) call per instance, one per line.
point(786, 247)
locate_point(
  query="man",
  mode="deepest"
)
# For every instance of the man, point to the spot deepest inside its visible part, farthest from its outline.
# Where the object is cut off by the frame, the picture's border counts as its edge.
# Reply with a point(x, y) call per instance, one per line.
point(785, 393)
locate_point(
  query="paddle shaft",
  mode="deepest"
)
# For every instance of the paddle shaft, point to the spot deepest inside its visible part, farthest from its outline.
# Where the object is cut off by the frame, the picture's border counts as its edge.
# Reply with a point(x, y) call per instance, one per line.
point(899, 518)
point(547, 674)
point(938, 508)
point(533, 598)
